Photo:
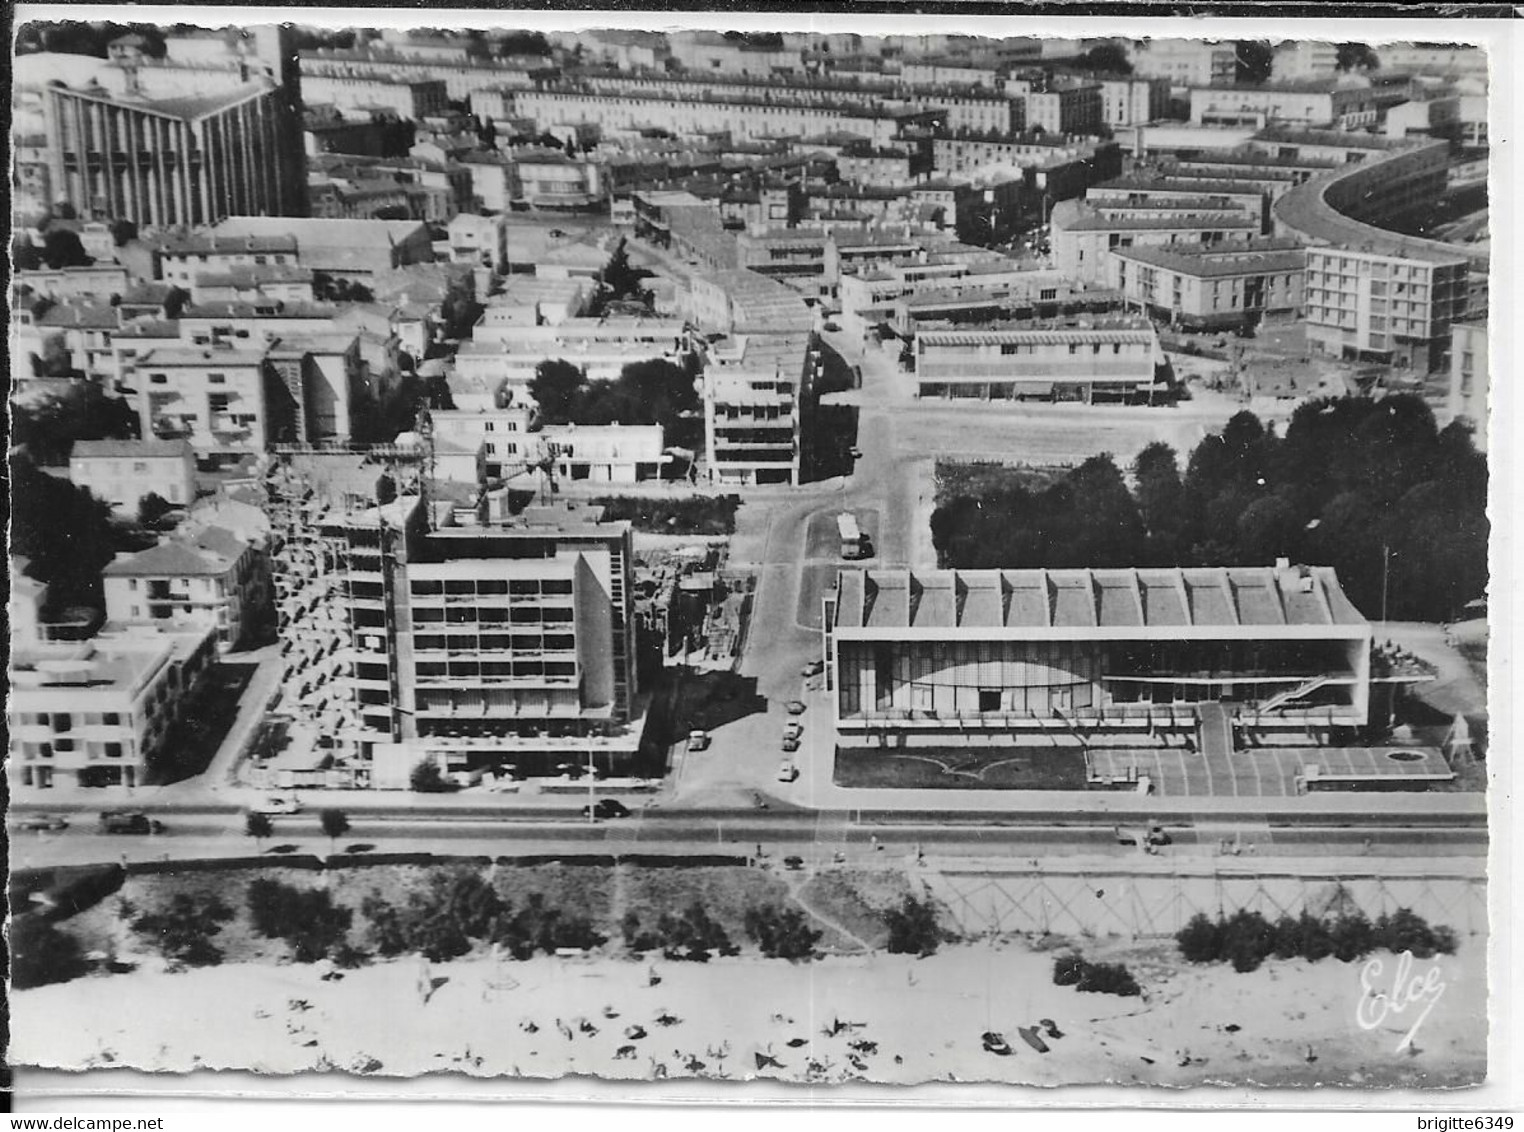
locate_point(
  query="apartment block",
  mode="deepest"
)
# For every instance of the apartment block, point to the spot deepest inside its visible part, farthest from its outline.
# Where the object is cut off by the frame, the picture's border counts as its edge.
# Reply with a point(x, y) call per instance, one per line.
point(363, 97)
point(98, 712)
point(1085, 360)
point(752, 386)
point(1218, 287)
point(1133, 101)
point(1185, 62)
point(122, 472)
point(1394, 307)
point(1084, 233)
point(209, 579)
point(1470, 378)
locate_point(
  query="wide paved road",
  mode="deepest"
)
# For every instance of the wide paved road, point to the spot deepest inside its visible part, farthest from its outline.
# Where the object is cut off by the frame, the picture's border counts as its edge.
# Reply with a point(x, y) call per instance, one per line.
point(190, 835)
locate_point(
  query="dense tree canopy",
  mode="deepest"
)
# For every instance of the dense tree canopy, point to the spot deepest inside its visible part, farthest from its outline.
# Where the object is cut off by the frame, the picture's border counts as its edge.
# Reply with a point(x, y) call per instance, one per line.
point(1371, 488)
point(650, 392)
point(64, 530)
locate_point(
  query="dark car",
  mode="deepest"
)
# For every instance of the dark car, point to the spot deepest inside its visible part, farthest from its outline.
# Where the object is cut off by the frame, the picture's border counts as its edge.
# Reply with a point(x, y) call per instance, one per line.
point(606, 808)
point(122, 821)
point(44, 822)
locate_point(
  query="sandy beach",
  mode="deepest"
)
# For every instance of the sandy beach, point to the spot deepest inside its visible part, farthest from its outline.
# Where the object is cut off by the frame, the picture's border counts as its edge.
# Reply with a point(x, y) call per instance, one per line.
point(883, 1018)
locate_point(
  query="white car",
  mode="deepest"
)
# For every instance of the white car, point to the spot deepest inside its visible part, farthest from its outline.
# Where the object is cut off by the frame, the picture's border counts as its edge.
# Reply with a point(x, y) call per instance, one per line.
point(787, 771)
point(276, 805)
point(793, 729)
point(698, 740)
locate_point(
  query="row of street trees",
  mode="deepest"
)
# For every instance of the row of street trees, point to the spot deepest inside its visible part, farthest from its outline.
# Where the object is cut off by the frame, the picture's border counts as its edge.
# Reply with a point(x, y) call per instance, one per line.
point(1373, 488)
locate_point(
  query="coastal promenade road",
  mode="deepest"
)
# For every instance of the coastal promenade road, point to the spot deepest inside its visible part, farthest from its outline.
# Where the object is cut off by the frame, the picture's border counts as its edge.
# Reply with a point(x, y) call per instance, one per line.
point(778, 833)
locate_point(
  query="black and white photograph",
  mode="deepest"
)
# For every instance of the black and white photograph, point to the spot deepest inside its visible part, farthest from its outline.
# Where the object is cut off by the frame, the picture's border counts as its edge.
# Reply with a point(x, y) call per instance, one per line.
point(792, 554)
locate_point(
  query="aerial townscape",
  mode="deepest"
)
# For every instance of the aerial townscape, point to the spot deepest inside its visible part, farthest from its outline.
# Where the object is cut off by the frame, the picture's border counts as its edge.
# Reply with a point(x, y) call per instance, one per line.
point(979, 545)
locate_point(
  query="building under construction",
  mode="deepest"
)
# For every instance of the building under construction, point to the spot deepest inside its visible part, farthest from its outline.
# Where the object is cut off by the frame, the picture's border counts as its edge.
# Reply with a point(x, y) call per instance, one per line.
point(417, 630)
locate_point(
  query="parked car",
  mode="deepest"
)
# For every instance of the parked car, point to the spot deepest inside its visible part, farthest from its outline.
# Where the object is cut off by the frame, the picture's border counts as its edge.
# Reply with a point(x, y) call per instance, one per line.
point(44, 822)
point(855, 452)
point(813, 668)
point(790, 744)
point(787, 771)
point(276, 805)
point(795, 707)
point(831, 326)
point(124, 821)
point(793, 729)
point(606, 808)
point(698, 740)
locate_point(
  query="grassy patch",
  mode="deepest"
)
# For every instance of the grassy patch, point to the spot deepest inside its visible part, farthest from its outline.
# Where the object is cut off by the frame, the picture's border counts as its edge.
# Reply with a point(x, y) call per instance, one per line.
point(951, 768)
point(696, 515)
point(857, 900)
point(978, 479)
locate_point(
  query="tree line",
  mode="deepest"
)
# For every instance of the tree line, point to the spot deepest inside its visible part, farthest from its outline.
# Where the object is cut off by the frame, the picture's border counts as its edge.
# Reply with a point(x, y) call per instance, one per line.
point(1372, 488)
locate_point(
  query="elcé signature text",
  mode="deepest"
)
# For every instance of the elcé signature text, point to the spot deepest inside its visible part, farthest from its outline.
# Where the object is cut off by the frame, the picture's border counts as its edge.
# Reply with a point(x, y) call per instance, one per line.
point(1398, 998)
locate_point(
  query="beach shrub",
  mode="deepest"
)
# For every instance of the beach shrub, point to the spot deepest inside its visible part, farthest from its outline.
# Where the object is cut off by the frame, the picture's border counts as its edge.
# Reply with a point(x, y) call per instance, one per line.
point(782, 933)
point(691, 935)
point(1200, 941)
point(913, 928)
point(1246, 939)
point(42, 954)
point(306, 919)
point(1405, 930)
point(447, 921)
point(1067, 970)
point(1353, 936)
point(183, 931)
point(1094, 978)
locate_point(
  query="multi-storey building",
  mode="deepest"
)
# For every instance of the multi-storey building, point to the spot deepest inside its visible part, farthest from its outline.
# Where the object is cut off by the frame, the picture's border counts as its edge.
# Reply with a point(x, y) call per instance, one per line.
point(1372, 294)
point(746, 118)
point(740, 301)
point(184, 257)
point(210, 579)
point(752, 387)
point(218, 399)
point(614, 454)
point(1470, 378)
point(363, 96)
point(1076, 360)
point(1347, 103)
point(1142, 188)
point(1084, 234)
point(1133, 101)
point(1186, 62)
point(350, 249)
point(1059, 105)
point(1228, 285)
point(1304, 60)
point(1393, 306)
point(98, 712)
point(461, 79)
point(1062, 657)
point(480, 642)
point(122, 472)
point(175, 161)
